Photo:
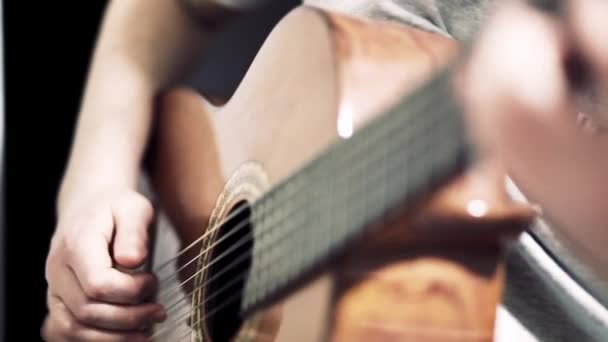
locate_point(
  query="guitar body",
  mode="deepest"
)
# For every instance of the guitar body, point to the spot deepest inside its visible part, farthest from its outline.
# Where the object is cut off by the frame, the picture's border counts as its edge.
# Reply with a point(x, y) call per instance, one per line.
point(318, 78)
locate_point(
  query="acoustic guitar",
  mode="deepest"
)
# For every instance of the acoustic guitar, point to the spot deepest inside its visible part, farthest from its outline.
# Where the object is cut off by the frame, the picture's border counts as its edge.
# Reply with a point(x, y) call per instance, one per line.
point(341, 194)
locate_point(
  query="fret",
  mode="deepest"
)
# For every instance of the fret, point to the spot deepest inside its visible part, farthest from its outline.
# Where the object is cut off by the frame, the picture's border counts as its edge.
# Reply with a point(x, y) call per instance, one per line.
point(408, 152)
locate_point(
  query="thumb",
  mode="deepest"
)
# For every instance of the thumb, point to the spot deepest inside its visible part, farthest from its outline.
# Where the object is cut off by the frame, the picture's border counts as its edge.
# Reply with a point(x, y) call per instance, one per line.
point(515, 74)
point(589, 20)
point(133, 215)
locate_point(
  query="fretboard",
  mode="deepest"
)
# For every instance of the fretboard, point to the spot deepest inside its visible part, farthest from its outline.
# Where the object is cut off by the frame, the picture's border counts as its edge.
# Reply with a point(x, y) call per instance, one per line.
point(397, 159)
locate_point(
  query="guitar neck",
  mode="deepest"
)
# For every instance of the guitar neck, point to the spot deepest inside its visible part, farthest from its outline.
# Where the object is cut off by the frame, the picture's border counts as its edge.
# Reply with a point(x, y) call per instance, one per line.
point(398, 159)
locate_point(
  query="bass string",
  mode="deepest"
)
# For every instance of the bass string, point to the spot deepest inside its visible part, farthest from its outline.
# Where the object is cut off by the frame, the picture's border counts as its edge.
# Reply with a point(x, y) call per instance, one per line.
point(233, 214)
point(232, 265)
point(186, 316)
point(209, 231)
point(232, 231)
point(207, 249)
point(239, 243)
point(196, 324)
point(176, 321)
point(233, 298)
point(369, 183)
point(296, 226)
point(182, 318)
point(230, 283)
point(176, 307)
point(242, 241)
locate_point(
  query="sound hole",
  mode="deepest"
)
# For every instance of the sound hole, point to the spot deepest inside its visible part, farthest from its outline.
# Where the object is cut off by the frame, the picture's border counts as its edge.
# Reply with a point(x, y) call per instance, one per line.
point(231, 260)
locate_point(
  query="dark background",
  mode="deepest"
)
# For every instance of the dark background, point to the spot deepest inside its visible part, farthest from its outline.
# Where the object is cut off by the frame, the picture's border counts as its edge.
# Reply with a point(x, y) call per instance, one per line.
point(48, 46)
point(47, 50)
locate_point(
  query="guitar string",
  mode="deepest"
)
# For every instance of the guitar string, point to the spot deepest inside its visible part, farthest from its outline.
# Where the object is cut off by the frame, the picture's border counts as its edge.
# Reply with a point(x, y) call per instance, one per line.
point(171, 260)
point(191, 293)
point(239, 259)
point(233, 282)
point(221, 305)
point(232, 264)
point(209, 231)
point(217, 309)
point(168, 262)
point(242, 255)
point(168, 326)
point(296, 226)
point(233, 231)
point(207, 249)
point(216, 227)
point(242, 241)
point(184, 316)
point(213, 312)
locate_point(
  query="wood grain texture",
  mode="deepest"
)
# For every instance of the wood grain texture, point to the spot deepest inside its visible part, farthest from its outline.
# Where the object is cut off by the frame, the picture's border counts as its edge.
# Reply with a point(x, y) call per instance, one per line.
point(415, 275)
point(434, 274)
point(430, 295)
point(437, 273)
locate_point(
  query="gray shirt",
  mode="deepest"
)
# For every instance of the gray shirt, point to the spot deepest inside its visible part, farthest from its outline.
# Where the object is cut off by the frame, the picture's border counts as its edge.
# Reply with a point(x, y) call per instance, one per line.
point(458, 19)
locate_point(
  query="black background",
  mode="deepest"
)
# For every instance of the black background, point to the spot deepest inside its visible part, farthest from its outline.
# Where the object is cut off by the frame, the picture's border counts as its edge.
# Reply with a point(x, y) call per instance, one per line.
point(47, 51)
point(48, 46)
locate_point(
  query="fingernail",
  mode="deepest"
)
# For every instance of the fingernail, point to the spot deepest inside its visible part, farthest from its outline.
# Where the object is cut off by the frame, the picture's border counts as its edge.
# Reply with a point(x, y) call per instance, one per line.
point(160, 315)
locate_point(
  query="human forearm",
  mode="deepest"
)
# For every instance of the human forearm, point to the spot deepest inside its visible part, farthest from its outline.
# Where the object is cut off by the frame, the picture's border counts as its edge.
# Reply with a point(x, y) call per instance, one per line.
point(110, 137)
point(143, 47)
